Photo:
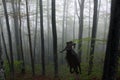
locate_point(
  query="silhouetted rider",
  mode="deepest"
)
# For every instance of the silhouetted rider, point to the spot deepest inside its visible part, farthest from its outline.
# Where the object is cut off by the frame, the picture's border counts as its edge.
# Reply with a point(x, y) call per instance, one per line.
point(71, 57)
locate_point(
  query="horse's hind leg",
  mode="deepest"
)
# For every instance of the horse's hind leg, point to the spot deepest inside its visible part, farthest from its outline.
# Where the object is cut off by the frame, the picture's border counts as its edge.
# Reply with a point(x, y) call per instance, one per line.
point(76, 70)
point(79, 68)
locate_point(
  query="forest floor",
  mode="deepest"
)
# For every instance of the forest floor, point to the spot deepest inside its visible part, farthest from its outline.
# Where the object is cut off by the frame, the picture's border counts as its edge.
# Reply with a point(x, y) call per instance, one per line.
point(40, 77)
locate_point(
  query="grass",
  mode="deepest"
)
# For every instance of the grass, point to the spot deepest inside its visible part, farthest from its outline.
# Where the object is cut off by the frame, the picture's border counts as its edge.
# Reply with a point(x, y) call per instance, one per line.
point(63, 71)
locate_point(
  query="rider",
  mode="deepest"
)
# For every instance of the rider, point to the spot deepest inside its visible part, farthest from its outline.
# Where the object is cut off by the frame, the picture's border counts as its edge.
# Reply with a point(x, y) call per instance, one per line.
point(69, 47)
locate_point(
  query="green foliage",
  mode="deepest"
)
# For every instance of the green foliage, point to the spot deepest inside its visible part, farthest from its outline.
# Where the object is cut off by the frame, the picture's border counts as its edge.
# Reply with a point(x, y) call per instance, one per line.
point(88, 39)
point(6, 66)
point(17, 66)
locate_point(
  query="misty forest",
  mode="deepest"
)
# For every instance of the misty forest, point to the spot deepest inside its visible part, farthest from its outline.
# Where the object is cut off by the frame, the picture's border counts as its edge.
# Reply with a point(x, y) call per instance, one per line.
point(59, 39)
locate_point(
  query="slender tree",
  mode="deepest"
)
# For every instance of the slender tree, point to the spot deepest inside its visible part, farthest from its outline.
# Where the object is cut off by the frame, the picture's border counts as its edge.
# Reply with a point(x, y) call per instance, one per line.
point(93, 37)
point(2, 76)
point(81, 5)
point(111, 57)
point(16, 27)
point(63, 27)
point(66, 20)
point(30, 44)
point(9, 39)
point(63, 23)
point(4, 43)
point(74, 21)
point(88, 46)
point(36, 25)
point(105, 23)
point(21, 42)
point(48, 25)
point(42, 39)
point(54, 38)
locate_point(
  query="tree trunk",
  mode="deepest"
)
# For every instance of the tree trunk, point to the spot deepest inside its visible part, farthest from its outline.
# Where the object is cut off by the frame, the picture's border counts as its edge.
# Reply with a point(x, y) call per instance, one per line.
point(88, 46)
point(93, 37)
point(80, 35)
point(63, 28)
point(21, 45)
point(105, 24)
point(16, 27)
point(66, 19)
point(30, 45)
point(10, 40)
point(63, 24)
point(5, 48)
point(74, 21)
point(2, 74)
point(54, 39)
point(48, 25)
point(111, 57)
point(42, 39)
point(36, 25)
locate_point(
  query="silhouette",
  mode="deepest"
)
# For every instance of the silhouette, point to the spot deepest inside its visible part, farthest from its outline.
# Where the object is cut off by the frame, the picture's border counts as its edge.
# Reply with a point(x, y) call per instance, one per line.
point(72, 58)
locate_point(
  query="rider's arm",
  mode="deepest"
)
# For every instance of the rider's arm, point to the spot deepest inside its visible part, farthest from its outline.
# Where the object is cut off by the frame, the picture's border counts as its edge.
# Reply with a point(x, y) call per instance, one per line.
point(63, 50)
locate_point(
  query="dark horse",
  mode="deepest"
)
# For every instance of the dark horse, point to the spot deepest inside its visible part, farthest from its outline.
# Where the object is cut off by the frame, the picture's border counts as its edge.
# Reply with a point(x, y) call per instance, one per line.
point(72, 58)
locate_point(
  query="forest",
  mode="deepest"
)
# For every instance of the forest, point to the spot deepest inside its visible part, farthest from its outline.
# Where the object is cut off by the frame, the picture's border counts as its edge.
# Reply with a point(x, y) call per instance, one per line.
point(59, 39)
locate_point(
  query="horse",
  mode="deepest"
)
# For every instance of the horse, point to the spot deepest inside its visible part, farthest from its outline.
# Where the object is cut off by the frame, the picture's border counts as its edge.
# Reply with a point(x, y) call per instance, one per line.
point(73, 62)
point(72, 58)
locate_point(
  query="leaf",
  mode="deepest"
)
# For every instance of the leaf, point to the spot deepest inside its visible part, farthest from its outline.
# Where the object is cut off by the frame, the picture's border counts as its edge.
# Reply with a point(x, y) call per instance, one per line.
point(88, 39)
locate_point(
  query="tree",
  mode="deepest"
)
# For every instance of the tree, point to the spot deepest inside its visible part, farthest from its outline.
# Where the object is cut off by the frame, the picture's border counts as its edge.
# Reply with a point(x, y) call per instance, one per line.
point(36, 25)
point(16, 27)
point(4, 43)
point(2, 76)
point(105, 23)
point(54, 32)
point(111, 57)
point(66, 20)
point(63, 23)
point(74, 21)
point(81, 5)
point(89, 30)
point(21, 45)
point(48, 27)
point(10, 40)
point(63, 27)
point(42, 39)
point(30, 45)
point(93, 37)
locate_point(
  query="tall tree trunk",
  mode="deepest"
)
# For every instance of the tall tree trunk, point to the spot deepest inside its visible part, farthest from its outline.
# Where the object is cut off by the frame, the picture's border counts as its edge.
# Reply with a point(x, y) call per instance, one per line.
point(93, 37)
point(63, 24)
point(10, 40)
point(30, 44)
point(74, 21)
point(36, 25)
point(66, 19)
point(54, 31)
point(111, 57)
point(63, 27)
point(48, 25)
point(105, 23)
point(2, 75)
point(5, 48)
point(42, 39)
point(88, 46)
point(16, 27)
point(21, 45)
point(80, 28)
